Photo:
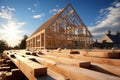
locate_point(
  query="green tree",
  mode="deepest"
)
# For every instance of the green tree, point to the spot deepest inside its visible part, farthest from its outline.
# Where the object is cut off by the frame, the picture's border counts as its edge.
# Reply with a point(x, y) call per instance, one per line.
point(16, 47)
point(22, 44)
point(3, 45)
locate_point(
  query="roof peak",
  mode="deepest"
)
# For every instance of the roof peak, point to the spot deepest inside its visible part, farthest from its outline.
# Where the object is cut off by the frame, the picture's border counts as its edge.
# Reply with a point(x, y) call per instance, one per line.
point(66, 11)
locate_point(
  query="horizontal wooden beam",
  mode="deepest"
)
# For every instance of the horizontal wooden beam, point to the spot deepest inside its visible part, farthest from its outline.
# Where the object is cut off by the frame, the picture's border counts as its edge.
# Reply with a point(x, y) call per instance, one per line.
point(8, 76)
point(84, 74)
point(114, 62)
point(74, 73)
point(56, 75)
point(31, 69)
point(73, 62)
point(113, 70)
point(104, 54)
point(51, 75)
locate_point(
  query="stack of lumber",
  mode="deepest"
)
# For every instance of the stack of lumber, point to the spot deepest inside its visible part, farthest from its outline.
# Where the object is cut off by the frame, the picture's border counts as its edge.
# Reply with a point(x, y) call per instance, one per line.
point(62, 65)
point(9, 71)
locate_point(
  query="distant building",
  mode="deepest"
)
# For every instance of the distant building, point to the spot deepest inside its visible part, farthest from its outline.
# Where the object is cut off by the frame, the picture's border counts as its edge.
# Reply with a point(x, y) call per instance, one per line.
point(65, 29)
point(111, 40)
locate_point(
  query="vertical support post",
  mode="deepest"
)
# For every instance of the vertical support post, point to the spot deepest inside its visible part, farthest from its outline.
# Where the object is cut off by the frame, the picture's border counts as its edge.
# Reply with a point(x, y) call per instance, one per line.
point(74, 35)
point(29, 44)
point(40, 41)
point(35, 43)
point(32, 43)
point(44, 40)
point(66, 35)
point(89, 43)
point(85, 38)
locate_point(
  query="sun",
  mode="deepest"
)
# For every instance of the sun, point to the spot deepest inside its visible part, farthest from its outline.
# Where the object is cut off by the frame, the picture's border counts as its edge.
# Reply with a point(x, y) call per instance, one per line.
point(11, 33)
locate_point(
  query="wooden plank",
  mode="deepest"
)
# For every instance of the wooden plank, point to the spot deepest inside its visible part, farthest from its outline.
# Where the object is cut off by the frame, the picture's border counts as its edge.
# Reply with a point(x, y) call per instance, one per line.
point(104, 54)
point(92, 53)
point(75, 73)
point(31, 69)
point(51, 75)
point(84, 74)
point(113, 70)
point(5, 68)
point(56, 75)
point(114, 62)
point(38, 70)
point(8, 76)
point(73, 62)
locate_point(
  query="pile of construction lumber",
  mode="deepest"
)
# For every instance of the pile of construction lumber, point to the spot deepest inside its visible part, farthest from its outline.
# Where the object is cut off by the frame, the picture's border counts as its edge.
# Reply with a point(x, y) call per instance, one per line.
point(65, 64)
point(9, 71)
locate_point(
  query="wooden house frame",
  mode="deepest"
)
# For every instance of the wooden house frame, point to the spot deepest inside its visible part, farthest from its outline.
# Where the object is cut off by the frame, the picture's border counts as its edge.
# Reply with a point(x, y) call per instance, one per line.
point(65, 29)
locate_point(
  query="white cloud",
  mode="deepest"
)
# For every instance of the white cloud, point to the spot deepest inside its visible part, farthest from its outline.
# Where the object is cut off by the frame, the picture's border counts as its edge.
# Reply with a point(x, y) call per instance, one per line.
point(10, 29)
point(5, 15)
point(33, 11)
point(57, 5)
point(6, 12)
point(11, 9)
point(39, 16)
point(2, 6)
point(35, 5)
point(55, 10)
point(114, 2)
point(109, 19)
point(28, 9)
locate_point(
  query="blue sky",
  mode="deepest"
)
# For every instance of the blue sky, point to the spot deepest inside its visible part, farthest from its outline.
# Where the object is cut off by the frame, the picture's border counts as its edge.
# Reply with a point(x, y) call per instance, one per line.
point(25, 16)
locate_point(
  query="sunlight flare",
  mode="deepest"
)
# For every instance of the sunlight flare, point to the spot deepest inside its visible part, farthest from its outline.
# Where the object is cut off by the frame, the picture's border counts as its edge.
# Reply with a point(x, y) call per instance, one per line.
point(12, 32)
